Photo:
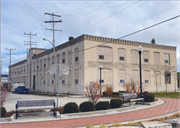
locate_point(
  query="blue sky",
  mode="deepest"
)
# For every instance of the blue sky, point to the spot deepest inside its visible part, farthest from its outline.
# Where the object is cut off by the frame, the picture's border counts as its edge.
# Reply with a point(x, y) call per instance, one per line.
point(112, 19)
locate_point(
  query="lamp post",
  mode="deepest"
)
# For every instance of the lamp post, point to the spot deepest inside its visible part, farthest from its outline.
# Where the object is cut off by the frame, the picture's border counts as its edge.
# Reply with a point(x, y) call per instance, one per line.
point(140, 52)
point(100, 67)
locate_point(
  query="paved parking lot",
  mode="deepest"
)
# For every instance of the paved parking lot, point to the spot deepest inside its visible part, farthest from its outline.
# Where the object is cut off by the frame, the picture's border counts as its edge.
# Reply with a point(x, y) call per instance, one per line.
point(12, 99)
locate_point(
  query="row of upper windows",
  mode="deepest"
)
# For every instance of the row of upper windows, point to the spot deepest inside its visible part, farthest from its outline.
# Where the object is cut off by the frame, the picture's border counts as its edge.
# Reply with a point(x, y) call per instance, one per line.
point(145, 58)
point(63, 61)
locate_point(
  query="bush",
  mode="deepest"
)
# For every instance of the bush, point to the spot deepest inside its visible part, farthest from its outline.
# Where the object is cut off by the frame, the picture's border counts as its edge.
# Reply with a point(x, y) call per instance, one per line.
point(115, 93)
point(71, 107)
point(115, 103)
point(108, 90)
point(86, 106)
point(148, 97)
point(102, 105)
point(3, 111)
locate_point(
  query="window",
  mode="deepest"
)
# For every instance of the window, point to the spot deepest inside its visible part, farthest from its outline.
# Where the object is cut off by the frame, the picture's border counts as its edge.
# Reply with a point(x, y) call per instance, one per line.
point(76, 59)
point(52, 81)
point(145, 60)
point(44, 82)
point(167, 59)
point(101, 57)
point(76, 81)
point(52, 62)
point(102, 81)
point(168, 77)
point(63, 81)
point(146, 81)
point(37, 67)
point(44, 65)
point(122, 81)
point(121, 58)
point(63, 61)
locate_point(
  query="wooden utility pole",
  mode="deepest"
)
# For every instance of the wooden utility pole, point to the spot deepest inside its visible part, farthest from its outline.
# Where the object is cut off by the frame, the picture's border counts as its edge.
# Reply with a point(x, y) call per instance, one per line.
point(10, 67)
point(30, 53)
point(53, 22)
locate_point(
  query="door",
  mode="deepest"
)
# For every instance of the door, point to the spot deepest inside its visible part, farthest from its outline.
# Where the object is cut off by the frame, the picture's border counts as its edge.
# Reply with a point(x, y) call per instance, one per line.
point(34, 82)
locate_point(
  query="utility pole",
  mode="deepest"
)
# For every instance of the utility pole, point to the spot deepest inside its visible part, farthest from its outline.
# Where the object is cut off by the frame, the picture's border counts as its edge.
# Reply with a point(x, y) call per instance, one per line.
point(9, 83)
point(30, 53)
point(53, 22)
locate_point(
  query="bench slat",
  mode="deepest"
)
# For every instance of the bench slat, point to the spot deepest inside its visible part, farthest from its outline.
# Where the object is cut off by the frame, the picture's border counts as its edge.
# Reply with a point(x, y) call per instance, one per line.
point(34, 108)
point(136, 99)
point(35, 103)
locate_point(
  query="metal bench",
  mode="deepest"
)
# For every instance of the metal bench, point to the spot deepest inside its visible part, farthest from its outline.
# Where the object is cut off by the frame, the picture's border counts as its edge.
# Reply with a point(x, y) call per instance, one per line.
point(35, 105)
point(130, 97)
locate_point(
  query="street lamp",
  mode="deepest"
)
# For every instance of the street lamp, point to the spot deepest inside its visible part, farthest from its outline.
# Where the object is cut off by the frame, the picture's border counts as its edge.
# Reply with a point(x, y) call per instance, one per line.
point(140, 51)
point(53, 53)
point(100, 67)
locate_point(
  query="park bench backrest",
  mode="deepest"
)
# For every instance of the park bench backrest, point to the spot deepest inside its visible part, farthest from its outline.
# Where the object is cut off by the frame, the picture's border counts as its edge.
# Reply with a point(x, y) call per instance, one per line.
point(129, 95)
point(35, 103)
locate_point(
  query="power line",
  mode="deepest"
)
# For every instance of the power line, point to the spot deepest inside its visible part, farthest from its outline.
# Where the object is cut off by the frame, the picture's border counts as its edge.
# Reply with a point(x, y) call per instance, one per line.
point(44, 6)
point(33, 9)
point(24, 9)
point(134, 32)
point(12, 25)
point(104, 18)
point(150, 26)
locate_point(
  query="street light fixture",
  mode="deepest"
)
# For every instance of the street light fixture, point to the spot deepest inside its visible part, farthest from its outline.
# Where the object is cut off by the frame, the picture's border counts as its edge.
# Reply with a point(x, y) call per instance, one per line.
point(100, 67)
point(140, 52)
point(53, 53)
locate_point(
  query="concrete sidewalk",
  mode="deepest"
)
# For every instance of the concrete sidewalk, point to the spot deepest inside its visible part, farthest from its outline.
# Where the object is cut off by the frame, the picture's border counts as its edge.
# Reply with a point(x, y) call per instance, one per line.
point(138, 112)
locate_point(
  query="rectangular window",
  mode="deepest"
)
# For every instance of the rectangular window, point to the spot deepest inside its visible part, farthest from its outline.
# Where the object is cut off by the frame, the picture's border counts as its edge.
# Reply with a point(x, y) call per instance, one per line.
point(145, 60)
point(166, 62)
point(121, 58)
point(146, 81)
point(76, 59)
point(63, 81)
point(44, 65)
point(37, 67)
point(102, 81)
point(52, 62)
point(63, 61)
point(166, 59)
point(52, 81)
point(101, 57)
point(44, 82)
point(76, 81)
point(122, 81)
point(167, 78)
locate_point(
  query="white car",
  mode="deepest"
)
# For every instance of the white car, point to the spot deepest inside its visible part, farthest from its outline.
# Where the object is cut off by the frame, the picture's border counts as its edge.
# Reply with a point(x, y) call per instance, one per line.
point(15, 85)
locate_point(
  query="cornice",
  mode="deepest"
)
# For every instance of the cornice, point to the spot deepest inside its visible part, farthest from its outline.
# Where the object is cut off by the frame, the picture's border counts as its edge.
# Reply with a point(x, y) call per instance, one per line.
point(127, 42)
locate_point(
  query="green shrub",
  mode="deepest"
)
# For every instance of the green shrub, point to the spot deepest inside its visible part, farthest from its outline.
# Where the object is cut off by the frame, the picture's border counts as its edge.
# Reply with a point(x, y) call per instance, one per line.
point(71, 107)
point(115, 103)
point(86, 106)
point(89, 126)
point(115, 93)
point(3, 111)
point(148, 97)
point(102, 105)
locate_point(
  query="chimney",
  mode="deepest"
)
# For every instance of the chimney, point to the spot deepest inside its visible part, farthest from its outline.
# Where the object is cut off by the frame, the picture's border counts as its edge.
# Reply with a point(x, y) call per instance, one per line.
point(71, 38)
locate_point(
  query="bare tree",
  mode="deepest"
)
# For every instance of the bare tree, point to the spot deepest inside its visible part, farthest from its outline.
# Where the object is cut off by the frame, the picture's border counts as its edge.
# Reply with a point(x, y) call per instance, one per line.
point(93, 91)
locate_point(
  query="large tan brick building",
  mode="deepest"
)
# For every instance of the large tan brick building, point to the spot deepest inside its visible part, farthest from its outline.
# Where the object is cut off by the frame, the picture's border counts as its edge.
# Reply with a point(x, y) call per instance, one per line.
point(84, 55)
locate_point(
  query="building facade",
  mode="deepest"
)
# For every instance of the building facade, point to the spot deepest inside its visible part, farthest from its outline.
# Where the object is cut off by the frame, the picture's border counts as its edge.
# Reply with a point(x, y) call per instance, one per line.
point(84, 55)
